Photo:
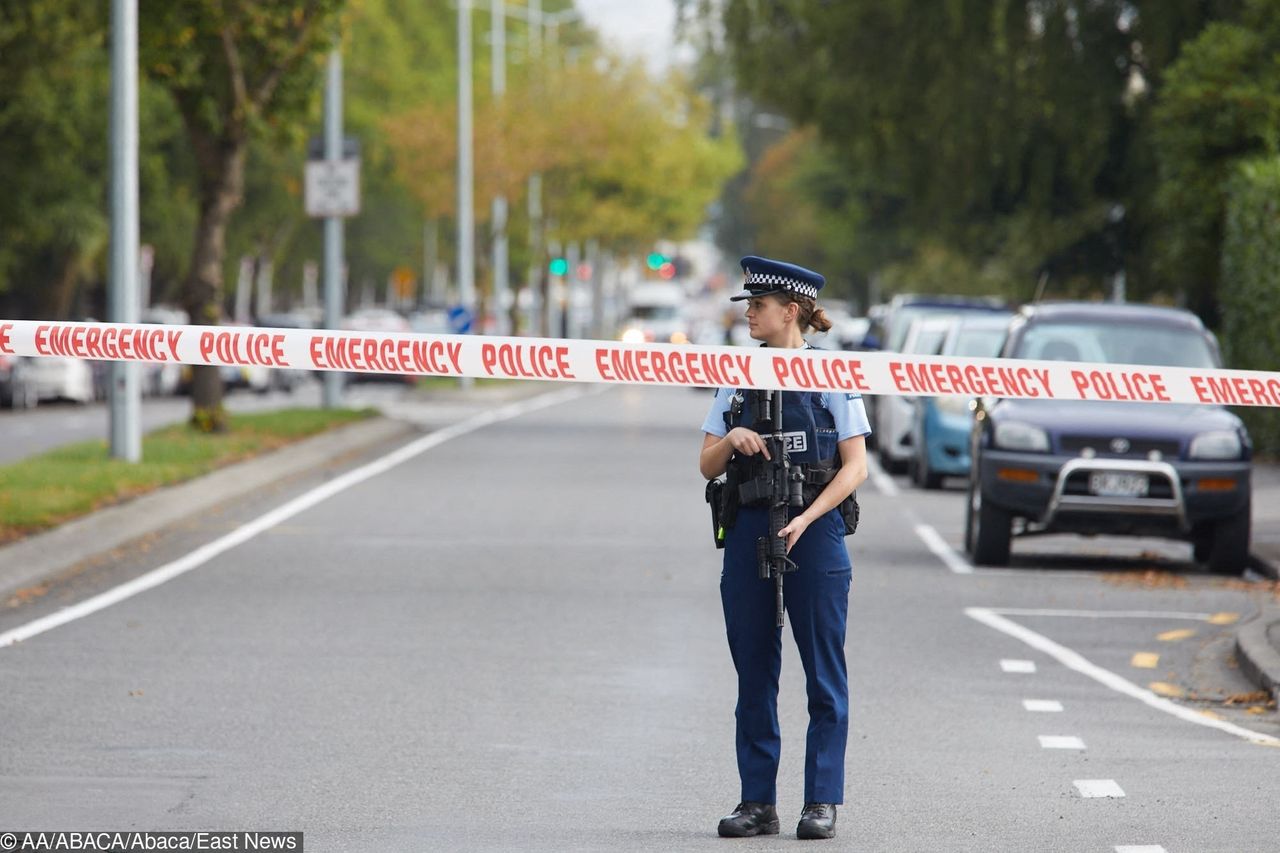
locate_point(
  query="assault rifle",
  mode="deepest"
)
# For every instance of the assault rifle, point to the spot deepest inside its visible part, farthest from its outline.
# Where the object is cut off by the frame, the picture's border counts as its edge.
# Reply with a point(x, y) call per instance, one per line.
point(785, 490)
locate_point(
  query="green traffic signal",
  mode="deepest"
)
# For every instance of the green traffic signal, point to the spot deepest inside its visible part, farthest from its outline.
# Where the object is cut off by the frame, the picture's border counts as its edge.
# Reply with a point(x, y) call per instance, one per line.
point(558, 266)
point(656, 260)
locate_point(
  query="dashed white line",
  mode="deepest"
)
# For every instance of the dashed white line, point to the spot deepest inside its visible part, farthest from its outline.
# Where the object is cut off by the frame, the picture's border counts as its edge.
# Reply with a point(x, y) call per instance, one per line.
point(943, 551)
point(1018, 665)
point(1098, 788)
point(1060, 742)
point(1076, 661)
point(262, 523)
point(1045, 706)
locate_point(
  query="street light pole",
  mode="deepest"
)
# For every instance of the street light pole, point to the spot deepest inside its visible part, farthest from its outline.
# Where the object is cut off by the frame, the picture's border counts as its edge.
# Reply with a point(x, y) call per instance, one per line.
point(499, 80)
point(466, 212)
point(535, 187)
point(333, 230)
point(126, 399)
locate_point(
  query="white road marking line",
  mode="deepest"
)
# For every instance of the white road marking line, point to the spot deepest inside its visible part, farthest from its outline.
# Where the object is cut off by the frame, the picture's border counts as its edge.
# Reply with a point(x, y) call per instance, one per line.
point(305, 501)
point(1075, 661)
point(1060, 742)
point(1103, 614)
point(1048, 706)
point(1098, 788)
point(943, 551)
point(1140, 848)
point(883, 482)
point(1018, 665)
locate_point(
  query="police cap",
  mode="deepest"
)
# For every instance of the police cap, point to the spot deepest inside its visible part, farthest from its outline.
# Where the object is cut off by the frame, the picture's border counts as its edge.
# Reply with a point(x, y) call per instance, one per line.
point(765, 276)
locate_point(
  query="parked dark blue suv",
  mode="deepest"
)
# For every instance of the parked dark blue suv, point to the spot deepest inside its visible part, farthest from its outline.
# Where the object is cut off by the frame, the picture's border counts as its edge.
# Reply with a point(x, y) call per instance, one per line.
point(1146, 469)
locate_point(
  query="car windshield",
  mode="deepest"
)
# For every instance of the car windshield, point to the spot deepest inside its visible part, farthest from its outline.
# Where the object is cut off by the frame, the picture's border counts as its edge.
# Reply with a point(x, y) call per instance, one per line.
point(928, 341)
point(978, 343)
point(1116, 343)
point(655, 312)
point(901, 323)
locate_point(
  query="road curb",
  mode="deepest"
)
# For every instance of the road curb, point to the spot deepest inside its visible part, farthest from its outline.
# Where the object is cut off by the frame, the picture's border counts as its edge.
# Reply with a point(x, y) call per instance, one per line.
point(1256, 649)
point(43, 556)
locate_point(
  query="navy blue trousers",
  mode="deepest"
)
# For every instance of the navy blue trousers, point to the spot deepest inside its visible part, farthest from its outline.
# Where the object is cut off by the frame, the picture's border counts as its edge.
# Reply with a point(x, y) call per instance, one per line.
point(816, 599)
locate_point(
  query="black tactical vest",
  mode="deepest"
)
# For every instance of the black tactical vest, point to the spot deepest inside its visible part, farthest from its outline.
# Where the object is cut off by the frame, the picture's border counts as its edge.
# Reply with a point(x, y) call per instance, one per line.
point(811, 439)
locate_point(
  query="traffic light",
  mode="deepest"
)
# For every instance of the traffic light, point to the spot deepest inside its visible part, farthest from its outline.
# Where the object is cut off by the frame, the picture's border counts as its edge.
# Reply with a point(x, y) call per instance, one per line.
point(656, 260)
point(558, 266)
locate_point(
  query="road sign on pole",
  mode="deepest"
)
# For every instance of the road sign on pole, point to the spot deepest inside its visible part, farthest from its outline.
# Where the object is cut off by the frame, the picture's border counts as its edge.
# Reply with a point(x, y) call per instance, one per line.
point(460, 319)
point(333, 188)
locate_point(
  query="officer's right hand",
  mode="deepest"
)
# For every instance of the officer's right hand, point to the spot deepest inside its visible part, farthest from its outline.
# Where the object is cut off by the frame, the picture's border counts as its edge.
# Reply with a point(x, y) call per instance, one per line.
point(747, 442)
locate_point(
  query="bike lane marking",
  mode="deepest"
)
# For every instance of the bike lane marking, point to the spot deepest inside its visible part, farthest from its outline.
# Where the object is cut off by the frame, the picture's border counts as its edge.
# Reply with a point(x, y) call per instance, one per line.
point(1078, 663)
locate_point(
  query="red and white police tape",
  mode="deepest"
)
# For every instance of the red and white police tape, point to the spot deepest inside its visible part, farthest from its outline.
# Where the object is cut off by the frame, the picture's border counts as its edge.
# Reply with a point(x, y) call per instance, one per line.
point(554, 359)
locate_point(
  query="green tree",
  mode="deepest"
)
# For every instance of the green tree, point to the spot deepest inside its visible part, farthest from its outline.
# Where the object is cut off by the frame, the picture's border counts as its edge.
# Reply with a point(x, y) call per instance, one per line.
point(53, 84)
point(1015, 133)
point(1219, 107)
point(1251, 278)
point(54, 87)
point(235, 68)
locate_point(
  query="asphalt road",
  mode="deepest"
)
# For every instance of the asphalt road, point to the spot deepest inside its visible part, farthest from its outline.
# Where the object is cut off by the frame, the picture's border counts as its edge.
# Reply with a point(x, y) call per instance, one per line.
point(513, 641)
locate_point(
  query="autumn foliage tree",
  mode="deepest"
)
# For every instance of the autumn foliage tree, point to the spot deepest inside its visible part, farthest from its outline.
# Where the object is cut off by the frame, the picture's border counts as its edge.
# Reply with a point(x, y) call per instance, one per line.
point(625, 162)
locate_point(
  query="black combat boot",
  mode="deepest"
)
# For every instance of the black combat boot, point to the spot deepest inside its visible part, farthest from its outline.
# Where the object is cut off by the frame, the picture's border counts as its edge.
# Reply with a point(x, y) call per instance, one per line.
point(750, 819)
point(818, 820)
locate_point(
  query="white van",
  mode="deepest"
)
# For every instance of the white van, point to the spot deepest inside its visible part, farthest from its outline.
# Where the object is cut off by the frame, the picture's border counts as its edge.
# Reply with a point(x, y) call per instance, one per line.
point(656, 313)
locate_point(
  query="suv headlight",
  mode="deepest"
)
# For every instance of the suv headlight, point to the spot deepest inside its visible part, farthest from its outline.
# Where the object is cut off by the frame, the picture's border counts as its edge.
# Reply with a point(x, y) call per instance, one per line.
point(1219, 444)
point(1011, 435)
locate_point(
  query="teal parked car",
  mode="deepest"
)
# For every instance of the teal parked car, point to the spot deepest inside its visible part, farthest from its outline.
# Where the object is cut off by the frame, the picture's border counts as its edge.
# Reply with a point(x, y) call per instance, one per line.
point(941, 426)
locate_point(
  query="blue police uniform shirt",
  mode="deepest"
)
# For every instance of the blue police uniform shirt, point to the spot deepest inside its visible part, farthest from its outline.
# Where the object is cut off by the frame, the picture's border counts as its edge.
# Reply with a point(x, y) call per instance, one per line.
point(846, 410)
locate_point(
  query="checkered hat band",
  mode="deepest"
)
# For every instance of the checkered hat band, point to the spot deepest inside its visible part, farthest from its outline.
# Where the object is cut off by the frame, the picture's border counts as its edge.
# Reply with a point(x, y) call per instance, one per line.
point(782, 281)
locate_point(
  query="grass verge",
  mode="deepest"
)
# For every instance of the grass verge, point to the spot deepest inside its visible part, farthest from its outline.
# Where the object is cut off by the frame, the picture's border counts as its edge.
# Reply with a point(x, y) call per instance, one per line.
point(450, 383)
point(46, 490)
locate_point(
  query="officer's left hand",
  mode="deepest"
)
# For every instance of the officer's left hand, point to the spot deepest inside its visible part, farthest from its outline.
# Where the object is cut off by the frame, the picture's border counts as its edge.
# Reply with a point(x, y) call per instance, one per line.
point(793, 530)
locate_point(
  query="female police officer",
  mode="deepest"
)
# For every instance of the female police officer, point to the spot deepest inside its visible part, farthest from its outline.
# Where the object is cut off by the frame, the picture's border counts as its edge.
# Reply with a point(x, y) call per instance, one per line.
point(781, 306)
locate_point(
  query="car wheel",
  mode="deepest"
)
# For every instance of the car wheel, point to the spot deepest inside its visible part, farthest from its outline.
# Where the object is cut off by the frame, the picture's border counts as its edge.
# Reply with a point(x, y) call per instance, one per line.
point(925, 476)
point(1201, 543)
point(988, 530)
point(27, 398)
point(889, 464)
point(1229, 553)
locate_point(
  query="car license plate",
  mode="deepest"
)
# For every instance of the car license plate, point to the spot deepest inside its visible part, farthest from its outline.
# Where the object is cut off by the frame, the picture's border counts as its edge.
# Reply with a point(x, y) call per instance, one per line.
point(1112, 485)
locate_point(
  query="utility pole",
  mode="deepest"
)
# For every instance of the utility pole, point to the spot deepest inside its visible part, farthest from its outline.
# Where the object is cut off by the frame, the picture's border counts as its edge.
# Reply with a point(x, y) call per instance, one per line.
point(126, 397)
point(333, 227)
point(499, 80)
point(466, 178)
point(536, 261)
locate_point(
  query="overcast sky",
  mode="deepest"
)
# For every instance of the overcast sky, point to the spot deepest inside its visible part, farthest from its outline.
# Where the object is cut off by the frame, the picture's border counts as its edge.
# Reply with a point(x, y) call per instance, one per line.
point(640, 28)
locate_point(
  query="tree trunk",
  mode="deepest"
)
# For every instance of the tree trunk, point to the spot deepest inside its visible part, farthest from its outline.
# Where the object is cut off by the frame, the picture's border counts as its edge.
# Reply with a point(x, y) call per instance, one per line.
point(54, 301)
point(221, 163)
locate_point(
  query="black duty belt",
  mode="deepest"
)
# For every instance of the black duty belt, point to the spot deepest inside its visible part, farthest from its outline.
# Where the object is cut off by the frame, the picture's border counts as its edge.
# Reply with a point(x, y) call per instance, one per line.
point(757, 489)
